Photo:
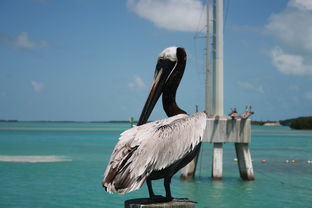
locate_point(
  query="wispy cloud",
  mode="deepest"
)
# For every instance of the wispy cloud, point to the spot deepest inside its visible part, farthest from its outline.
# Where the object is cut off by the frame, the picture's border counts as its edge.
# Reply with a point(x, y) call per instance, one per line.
point(250, 86)
point(178, 15)
point(292, 27)
point(2, 94)
point(37, 86)
point(301, 4)
point(308, 95)
point(289, 63)
point(136, 83)
point(22, 41)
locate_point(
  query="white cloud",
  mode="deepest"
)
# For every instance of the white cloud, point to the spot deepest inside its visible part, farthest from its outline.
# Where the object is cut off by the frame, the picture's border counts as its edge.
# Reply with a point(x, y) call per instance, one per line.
point(308, 95)
point(2, 94)
point(301, 4)
point(289, 63)
point(22, 41)
point(292, 27)
point(37, 86)
point(250, 86)
point(179, 15)
point(136, 83)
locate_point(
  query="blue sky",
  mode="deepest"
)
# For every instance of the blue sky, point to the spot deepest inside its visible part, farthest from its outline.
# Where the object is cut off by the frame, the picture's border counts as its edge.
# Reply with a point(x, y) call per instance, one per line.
point(93, 60)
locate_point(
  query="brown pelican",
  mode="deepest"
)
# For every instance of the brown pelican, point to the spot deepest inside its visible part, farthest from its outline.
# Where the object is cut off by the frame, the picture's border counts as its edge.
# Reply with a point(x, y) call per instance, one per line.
point(157, 149)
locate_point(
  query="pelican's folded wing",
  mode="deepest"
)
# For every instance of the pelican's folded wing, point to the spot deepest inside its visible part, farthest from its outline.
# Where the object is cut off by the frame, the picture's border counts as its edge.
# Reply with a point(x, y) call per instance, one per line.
point(149, 147)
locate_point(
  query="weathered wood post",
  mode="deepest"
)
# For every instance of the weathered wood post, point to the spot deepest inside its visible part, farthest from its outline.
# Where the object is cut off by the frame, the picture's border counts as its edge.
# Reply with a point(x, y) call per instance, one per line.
point(147, 203)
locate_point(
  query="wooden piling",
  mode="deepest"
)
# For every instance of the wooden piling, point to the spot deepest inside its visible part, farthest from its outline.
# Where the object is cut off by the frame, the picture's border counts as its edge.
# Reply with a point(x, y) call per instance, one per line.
point(147, 203)
point(244, 161)
point(217, 161)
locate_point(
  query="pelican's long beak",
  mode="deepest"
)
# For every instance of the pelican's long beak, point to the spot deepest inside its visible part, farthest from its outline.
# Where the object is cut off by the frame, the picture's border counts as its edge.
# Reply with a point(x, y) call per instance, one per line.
point(163, 70)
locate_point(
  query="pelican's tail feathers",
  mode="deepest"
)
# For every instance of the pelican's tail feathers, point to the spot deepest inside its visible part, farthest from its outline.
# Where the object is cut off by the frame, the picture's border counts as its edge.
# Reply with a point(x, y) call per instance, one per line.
point(119, 176)
point(123, 184)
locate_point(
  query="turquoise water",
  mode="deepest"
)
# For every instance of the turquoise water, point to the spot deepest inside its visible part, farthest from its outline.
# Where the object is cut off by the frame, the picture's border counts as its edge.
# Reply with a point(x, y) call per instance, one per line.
point(49, 165)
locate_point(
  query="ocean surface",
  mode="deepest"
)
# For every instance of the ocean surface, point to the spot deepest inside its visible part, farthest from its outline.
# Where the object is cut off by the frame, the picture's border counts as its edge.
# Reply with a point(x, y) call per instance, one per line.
point(60, 165)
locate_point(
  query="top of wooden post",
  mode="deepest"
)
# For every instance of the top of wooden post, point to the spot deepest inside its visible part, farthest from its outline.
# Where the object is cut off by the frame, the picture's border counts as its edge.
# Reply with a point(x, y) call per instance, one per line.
point(148, 203)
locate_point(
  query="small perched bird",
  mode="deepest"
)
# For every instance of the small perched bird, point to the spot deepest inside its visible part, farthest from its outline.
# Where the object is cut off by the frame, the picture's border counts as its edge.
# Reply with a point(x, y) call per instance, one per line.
point(233, 113)
point(157, 150)
point(247, 113)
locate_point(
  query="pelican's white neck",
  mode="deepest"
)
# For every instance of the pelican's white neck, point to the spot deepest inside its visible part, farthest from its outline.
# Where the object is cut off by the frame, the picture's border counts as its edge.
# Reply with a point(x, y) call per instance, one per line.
point(169, 53)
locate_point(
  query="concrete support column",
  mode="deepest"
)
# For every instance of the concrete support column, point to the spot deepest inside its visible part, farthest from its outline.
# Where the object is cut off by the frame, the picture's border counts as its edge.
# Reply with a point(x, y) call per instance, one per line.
point(217, 161)
point(218, 58)
point(244, 161)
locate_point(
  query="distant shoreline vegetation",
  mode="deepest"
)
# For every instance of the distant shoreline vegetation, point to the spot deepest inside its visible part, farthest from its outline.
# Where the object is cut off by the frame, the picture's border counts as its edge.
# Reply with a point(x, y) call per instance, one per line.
point(9, 121)
point(294, 123)
point(302, 123)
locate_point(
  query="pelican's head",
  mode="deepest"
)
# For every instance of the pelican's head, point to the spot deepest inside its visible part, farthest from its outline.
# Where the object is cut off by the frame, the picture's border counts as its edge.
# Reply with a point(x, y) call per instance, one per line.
point(170, 67)
point(169, 53)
